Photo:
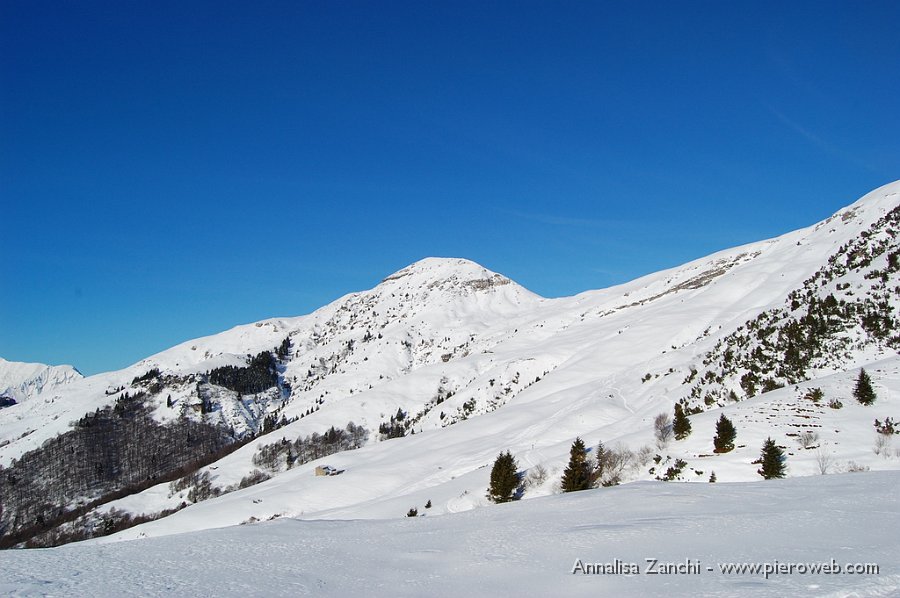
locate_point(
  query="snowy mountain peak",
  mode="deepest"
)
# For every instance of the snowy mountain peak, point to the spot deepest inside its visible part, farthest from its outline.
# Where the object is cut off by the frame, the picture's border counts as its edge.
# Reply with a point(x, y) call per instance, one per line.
point(435, 281)
point(435, 272)
point(22, 381)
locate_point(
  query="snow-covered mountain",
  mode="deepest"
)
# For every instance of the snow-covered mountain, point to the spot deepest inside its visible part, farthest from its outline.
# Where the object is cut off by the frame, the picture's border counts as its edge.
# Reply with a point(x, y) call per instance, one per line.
point(445, 364)
point(22, 381)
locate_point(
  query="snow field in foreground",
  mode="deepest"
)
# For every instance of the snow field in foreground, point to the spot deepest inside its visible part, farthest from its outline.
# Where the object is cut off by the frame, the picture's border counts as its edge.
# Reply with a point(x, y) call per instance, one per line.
point(526, 548)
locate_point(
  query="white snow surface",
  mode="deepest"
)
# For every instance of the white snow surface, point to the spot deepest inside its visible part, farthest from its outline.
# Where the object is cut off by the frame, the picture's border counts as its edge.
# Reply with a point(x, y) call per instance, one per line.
point(527, 548)
point(22, 381)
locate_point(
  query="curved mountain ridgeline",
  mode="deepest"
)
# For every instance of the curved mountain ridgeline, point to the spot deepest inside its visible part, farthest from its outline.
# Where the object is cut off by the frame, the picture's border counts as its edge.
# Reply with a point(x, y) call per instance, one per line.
point(444, 364)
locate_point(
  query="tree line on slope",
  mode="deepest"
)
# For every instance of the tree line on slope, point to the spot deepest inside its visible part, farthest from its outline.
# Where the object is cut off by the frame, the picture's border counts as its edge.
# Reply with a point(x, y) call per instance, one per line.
point(120, 450)
point(608, 465)
point(285, 454)
point(819, 325)
point(260, 374)
point(115, 448)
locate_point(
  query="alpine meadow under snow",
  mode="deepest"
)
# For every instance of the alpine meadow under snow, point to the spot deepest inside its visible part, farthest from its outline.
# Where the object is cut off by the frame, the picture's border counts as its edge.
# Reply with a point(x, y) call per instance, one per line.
point(411, 390)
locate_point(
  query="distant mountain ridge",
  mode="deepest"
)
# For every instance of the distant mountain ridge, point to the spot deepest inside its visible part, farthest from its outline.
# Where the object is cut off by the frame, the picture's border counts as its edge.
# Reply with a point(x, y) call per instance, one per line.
point(22, 381)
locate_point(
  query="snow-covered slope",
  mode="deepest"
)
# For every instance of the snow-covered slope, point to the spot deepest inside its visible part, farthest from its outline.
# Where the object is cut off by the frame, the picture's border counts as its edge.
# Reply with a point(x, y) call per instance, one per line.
point(461, 363)
point(521, 549)
point(22, 381)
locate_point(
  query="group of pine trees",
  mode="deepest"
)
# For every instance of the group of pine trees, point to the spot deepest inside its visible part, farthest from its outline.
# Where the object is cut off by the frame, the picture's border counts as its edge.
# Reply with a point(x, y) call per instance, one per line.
point(582, 473)
point(772, 458)
point(723, 441)
point(396, 427)
point(259, 375)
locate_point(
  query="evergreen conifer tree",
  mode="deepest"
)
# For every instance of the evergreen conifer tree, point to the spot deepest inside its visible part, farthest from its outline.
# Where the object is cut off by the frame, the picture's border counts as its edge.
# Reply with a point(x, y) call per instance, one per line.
point(682, 425)
point(504, 478)
point(725, 435)
point(773, 461)
point(863, 391)
point(577, 475)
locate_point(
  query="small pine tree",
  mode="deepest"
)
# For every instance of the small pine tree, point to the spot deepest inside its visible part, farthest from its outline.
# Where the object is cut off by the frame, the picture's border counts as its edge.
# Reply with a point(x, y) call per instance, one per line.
point(815, 395)
point(772, 460)
point(725, 435)
point(863, 392)
point(504, 478)
point(428, 504)
point(413, 512)
point(682, 425)
point(712, 477)
point(577, 475)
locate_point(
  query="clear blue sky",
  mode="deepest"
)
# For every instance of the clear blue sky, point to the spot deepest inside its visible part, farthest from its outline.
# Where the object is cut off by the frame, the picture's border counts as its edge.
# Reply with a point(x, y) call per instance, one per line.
point(171, 169)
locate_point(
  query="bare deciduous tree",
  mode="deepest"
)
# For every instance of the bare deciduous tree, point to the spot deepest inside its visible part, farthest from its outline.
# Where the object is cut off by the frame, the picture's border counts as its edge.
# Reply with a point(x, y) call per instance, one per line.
point(662, 429)
point(882, 445)
point(808, 439)
point(613, 464)
point(824, 461)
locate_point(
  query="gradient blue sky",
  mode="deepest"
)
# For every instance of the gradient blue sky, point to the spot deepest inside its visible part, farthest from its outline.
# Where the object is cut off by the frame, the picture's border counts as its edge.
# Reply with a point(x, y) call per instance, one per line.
point(171, 169)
